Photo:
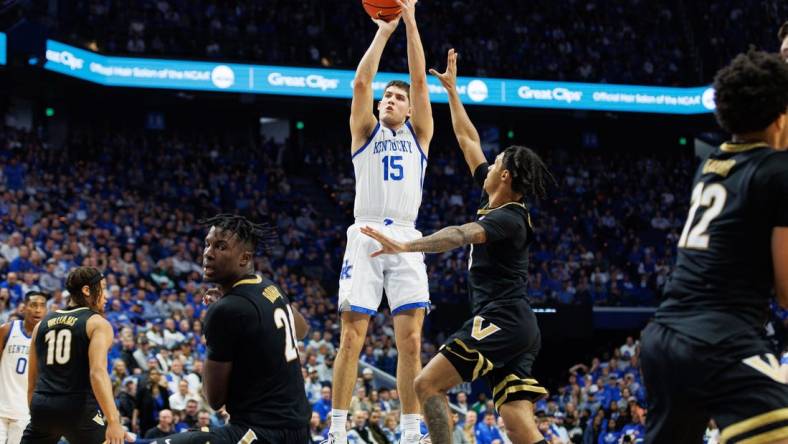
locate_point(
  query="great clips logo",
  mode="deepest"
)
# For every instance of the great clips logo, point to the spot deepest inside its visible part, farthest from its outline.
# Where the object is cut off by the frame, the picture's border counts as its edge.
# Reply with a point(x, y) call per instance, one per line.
point(551, 95)
point(65, 58)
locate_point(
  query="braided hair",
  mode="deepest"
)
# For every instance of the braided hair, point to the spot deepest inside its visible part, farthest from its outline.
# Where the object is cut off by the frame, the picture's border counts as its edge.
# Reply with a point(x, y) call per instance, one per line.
point(255, 235)
point(80, 277)
point(530, 175)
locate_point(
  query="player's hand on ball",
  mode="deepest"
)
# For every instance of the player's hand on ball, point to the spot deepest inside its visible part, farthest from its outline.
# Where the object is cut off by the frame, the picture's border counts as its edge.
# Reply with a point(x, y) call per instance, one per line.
point(388, 245)
point(408, 9)
point(388, 28)
point(449, 78)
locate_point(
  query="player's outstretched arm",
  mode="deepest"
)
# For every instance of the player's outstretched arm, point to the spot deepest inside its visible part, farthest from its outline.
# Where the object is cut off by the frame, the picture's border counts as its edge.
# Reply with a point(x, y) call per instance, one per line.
point(362, 119)
point(780, 264)
point(420, 108)
point(32, 364)
point(467, 136)
point(100, 334)
point(446, 239)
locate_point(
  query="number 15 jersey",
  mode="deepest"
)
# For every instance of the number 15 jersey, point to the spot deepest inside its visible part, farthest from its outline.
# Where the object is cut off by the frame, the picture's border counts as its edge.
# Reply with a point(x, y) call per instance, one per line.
point(389, 171)
point(723, 278)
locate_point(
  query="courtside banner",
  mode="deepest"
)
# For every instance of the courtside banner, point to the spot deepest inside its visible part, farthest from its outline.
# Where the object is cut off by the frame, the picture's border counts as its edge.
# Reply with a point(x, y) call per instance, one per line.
point(2, 48)
point(332, 83)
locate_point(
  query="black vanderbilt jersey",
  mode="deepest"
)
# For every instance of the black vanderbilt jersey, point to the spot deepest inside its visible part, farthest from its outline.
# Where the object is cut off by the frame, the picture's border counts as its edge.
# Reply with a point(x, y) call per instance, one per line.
point(723, 277)
point(252, 326)
point(498, 269)
point(62, 352)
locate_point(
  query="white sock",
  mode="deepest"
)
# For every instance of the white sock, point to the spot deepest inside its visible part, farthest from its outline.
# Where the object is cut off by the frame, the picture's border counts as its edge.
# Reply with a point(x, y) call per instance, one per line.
point(409, 424)
point(338, 422)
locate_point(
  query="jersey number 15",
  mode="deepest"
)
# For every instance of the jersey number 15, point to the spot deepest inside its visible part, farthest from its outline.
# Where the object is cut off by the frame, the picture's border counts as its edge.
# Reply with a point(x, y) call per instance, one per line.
point(712, 199)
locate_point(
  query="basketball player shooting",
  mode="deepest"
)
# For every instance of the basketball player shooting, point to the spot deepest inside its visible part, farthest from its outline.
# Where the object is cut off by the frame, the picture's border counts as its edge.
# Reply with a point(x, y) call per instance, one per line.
point(389, 157)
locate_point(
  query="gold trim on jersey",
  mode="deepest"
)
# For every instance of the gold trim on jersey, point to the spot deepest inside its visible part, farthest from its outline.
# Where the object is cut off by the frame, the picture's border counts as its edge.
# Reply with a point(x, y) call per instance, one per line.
point(483, 365)
point(764, 438)
point(510, 378)
point(516, 389)
point(718, 167)
point(272, 293)
point(755, 422)
point(249, 281)
point(514, 384)
point(72, 310)
point(731, 147)
point(484, 211)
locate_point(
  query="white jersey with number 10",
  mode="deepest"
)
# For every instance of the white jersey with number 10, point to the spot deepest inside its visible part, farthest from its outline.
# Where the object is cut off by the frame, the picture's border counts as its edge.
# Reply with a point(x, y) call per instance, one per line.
point(389, 175)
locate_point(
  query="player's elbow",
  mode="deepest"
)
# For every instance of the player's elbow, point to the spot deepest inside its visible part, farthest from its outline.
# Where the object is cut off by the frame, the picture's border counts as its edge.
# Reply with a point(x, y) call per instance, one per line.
point(362, 83)
point(97, 374)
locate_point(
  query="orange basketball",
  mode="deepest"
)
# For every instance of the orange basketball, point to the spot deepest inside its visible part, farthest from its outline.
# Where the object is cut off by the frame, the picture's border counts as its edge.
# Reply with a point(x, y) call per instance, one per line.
point(386, 10)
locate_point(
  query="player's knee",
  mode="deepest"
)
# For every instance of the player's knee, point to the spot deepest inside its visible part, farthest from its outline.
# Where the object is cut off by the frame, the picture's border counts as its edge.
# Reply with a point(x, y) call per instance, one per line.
point(351, 340)
point(426, 385)
point(409, 345)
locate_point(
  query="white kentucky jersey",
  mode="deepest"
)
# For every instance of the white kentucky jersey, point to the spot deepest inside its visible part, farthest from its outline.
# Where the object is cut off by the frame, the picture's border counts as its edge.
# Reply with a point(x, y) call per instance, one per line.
point(389, 171)
point(13, 373)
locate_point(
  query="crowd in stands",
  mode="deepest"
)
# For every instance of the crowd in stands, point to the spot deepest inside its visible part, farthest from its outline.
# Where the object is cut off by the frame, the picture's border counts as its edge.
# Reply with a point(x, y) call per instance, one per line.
point(634, 41)
point(606, 235)
point(130, 203)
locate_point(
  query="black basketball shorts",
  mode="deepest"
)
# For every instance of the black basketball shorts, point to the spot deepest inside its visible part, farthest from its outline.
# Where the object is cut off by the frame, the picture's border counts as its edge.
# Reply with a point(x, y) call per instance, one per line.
point(737, 383)
point(499, 343)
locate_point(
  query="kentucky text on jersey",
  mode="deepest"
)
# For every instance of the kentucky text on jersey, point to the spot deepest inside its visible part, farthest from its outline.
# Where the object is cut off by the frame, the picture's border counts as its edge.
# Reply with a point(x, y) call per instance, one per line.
point(20, 349)
point(387, 146)
point(62, 320)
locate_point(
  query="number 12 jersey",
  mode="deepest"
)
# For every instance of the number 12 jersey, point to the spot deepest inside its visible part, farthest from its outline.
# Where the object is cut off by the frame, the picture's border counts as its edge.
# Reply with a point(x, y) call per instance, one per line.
point(723, 278)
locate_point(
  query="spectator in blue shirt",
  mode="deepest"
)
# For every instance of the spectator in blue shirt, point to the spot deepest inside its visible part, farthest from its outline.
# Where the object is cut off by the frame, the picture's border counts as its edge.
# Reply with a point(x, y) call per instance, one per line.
point(636, 429)
point(609, 433)
point(323, 405)
point(487, 432)
point(22, 262)
point(14, 287)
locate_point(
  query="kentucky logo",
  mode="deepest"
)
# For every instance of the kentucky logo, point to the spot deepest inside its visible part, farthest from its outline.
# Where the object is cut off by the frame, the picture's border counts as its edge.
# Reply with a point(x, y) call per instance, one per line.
point(346, 269)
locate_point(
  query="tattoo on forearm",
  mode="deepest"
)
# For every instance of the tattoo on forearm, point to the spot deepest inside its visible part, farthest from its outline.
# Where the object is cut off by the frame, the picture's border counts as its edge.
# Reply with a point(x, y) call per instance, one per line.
point(446, 239)
point(437, 417)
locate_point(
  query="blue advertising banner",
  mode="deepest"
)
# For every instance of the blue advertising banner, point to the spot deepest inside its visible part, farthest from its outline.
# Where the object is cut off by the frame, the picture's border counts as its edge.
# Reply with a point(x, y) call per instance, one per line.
point(2, 48)
point(333, 83)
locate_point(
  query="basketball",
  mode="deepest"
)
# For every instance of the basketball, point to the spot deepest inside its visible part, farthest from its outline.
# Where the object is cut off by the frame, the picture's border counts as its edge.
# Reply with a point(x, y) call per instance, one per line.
point(386, 10)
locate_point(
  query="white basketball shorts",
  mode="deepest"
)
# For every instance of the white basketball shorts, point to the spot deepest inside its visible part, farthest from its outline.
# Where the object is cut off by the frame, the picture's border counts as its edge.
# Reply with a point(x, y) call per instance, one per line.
point(362, 278)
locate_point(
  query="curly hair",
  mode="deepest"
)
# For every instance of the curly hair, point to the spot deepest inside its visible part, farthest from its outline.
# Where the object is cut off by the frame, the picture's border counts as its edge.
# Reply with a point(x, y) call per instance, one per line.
point(530, 175)
point(80, 277)
point(751, 92)
point(783, 32)
point(255, 235)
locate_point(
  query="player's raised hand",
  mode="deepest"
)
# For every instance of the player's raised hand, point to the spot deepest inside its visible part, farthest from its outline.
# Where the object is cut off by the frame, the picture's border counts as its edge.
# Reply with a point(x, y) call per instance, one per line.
point(388, 245)
point(408, 10)
point(448, 78)
point(388, 28)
